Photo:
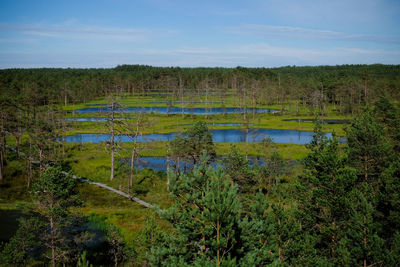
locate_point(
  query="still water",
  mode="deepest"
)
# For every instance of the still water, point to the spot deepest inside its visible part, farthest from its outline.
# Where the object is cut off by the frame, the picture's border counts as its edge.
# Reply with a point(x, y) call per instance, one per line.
point(100, 119)
point(174, 110)
point(224, 135)
point(8, 223)
point(160, 163)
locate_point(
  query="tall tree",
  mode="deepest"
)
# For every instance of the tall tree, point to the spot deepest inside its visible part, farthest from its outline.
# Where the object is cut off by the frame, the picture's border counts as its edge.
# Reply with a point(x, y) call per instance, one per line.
point(54, 193)
point(237, 168)
point(113, 107)
point(205, 216)
point(369, 150)
point(370, 146)
point(324, 189)
point(190, 146)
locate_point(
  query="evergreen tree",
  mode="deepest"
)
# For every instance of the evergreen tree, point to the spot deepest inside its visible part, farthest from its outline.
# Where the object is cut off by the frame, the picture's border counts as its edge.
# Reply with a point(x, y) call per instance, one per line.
point(23, 245)
point(369, 150)
point(151, 236)
point(370, 146)
point(237, 168)
point(54, 193)
point(361, 244)
point(205, 217)
point(389, 116)
point(190, 146)
point(268, 234)
point(323, 196)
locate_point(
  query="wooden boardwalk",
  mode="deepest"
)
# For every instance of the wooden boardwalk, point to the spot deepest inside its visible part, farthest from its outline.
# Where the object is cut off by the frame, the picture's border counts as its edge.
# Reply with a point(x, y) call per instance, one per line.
point(109, 188)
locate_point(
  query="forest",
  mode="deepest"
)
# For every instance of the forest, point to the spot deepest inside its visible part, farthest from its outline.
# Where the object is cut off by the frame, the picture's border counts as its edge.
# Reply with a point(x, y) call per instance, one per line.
point(167, 166)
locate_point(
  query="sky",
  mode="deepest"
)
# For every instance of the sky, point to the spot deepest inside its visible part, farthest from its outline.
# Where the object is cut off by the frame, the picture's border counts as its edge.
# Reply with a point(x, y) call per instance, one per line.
point(188, 33)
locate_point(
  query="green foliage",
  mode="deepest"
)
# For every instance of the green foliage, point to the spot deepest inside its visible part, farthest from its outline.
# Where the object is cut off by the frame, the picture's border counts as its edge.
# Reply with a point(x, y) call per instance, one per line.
point(191, 145)
point(323, 195)
point(348, 206)
point(83, 262)
point(23, 245)
point(151, 236)
point(258, 243)
point(389, 117)
point(361, 244)
point(118, 250)
point(52, 231)
point(237, 168)
point(205, 216)
point(54, 193)
point(369, 149)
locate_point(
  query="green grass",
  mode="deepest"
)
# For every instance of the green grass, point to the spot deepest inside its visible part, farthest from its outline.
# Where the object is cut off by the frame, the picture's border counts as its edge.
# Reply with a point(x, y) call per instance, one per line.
point(161, 123)
point(92, 161)
point(129, 216)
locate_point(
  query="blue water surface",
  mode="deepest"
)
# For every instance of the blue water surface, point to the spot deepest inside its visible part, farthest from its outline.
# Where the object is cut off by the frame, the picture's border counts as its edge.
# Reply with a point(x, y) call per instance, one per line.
point(219, 136)
point(174, 110)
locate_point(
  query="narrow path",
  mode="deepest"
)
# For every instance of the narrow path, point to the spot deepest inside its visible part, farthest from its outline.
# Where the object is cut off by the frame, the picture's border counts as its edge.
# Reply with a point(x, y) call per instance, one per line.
point(109, 188)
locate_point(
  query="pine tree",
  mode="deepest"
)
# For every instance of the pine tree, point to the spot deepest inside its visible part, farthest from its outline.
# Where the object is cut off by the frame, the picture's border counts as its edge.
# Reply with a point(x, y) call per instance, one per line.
point(370, 144)
point(205, 216)
point(389, 117)
point(323, 197)
point(268, 234)
point(237, 167)
point(362, 244)
point(369, 150)
point(23, 245)
point(190, 146)
point(54, 193)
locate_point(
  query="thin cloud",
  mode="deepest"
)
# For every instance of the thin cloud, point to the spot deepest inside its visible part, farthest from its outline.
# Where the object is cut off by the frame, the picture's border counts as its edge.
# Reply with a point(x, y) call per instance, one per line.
point(84, 32)
point(263, 54)
point(304, 33)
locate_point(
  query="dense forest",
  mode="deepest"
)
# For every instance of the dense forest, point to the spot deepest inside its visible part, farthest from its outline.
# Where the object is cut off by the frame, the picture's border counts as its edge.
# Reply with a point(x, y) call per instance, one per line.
point(348, 87)
point(340, 206)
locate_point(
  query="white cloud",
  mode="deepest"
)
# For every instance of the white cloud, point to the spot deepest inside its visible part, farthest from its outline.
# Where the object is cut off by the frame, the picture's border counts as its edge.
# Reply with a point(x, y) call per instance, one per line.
point(304, 33)
point(261, 54)
point(71, 30)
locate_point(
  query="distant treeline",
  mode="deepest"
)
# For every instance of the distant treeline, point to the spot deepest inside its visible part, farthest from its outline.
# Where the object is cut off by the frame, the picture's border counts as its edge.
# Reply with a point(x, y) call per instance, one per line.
point(347, 87)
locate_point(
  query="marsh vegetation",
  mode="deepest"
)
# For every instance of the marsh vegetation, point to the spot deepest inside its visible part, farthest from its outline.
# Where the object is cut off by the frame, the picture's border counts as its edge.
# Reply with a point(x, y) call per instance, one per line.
point(244, 166)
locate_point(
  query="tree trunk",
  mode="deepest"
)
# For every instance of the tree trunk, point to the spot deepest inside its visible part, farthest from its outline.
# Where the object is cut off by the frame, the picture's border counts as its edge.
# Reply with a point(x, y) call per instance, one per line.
point(53, 246)
point(247, 141)
point(29, 164)
point(41, 166)
point(112, 141)
point(206, 100)
point(1, 163)
point(134, 152)
point(131, 170)
point(365, 240)
point(253, 100)
point(279, 245)
point(181, 91)
point(218, 249)
point(167, 173)
point(2, 148)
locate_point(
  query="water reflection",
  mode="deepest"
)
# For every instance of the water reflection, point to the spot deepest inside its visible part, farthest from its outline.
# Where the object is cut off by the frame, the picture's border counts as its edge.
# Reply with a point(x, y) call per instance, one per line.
point(92, 119)
point(160, 163)
point(325, 121)
point(8, 223)
point(219, 136)
point(174, 110)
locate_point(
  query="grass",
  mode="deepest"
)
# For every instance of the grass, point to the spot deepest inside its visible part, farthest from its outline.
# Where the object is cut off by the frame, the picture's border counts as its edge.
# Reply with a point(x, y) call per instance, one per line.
point(129, 216)
point(161, 123)
point(92, 161)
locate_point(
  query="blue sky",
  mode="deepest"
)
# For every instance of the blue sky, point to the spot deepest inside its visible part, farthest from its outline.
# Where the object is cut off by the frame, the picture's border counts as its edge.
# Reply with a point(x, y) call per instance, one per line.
point(249, 33)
